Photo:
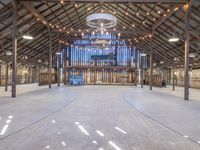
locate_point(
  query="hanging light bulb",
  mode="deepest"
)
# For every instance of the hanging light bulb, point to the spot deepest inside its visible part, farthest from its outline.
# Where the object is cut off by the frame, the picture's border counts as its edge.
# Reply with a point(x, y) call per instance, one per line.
point(159, 11)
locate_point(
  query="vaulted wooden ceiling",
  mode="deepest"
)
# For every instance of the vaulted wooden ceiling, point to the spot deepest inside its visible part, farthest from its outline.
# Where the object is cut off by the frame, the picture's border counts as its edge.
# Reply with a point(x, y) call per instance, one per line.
point(136, 21)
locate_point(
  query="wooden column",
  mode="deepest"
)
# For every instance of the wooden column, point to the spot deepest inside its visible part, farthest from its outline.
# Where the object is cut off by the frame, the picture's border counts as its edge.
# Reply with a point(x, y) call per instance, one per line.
point(141, 72)
point(136, 67)
point(116, 47)
point(187, 46)
point(186, 83)
point(14, 47)
point(151, 64)
point(64, 69)
point(0, 75)
point(173, 79)
point(50, 57)
point(58, 65)
point(6, 77)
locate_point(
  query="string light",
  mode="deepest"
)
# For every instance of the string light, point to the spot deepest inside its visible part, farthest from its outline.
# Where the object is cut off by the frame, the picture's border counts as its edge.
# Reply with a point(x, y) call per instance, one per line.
point(137, 13)
point(176, 9)
point(147, 13)
point(126, 13)
point(62, 1)
point(133, 25)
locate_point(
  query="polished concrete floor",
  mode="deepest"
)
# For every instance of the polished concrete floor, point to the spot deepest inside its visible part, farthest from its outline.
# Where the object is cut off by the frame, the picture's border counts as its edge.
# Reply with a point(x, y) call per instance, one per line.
point(99, 118)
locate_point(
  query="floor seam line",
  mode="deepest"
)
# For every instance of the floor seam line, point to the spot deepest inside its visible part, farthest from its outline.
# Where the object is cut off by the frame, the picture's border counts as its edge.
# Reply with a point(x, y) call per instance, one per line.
point(156, 121)
point(45, 117)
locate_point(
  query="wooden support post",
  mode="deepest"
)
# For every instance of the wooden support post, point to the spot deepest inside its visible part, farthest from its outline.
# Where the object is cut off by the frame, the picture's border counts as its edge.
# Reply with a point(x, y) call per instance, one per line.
point(173, 79)
point(141, 71)
point(58, 64)
point(6, 79)
point(186, 83)
point(151, 64)
point(187, 46)
point(64, 68)
point(116, 47)
point(0, 75)
point(50, 57)
point(14, 48)
point(136, 66)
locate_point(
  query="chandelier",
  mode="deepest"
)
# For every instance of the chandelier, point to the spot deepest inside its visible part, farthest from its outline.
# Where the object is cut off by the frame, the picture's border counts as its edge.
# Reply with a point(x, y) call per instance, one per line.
point(101, 21)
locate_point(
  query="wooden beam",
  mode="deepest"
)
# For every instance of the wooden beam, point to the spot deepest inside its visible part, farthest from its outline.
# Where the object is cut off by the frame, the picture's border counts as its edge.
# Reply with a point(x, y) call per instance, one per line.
point(100, 67)
point(187, 47)
point(119, 1)
point(167, 15)
point(35, 13)
point(50, 57)
point(151, 64)
point(14, 48)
